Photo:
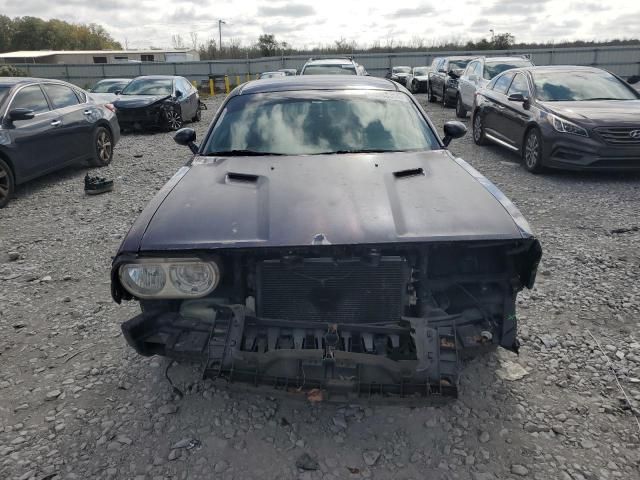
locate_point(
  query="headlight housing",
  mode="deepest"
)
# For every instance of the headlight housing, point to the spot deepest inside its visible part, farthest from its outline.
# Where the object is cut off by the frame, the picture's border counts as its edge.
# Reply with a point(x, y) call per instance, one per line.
point(169, 278)
point(565, 126)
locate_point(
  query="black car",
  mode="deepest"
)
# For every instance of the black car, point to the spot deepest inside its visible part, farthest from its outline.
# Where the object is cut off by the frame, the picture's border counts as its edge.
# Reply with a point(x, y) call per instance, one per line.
point(561, 116)
point(158, 101)
point(313, 241)
point(110, 85)
point(46, 125)
point(443, 82)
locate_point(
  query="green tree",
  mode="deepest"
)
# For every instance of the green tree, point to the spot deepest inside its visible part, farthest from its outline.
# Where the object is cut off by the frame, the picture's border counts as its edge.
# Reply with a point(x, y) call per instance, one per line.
point(267, 45)
point(503, 41)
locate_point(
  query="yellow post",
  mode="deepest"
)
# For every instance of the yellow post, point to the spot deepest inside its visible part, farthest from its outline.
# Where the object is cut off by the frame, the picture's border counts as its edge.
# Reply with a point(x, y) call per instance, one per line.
point(226, 84)
point(211, 89)
point(237, 80)
point(195, 84)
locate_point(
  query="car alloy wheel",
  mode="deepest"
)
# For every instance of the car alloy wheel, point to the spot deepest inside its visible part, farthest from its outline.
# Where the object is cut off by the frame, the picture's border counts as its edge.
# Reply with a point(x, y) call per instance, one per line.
point(6, 183)
point(478, 130)
point(532, 154)
point(103, 148)
point(460, 111)
point(174, 120)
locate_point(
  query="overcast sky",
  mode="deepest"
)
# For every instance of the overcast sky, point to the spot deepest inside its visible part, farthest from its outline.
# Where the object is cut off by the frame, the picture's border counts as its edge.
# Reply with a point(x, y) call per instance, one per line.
point(144, 23)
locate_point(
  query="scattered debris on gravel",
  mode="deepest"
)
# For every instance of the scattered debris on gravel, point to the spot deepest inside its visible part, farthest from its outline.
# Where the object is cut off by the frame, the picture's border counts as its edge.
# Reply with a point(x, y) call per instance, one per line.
point(77, 403)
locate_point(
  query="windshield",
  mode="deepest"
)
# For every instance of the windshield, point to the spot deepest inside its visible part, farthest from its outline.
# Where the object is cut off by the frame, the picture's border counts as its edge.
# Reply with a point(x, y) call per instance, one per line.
point(562, 86)
point(4, 91)
point(401, 69)
point(149, 86)
point(422, 71)
point(110, 86)
point(345, 69)
point(495, 68)
point(457, 64)
point(307, 123)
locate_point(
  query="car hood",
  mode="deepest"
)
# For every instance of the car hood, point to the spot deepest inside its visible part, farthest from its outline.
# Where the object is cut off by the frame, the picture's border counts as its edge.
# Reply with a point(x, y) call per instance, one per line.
point(324, 199)
point(137, 101)
point(604, 112)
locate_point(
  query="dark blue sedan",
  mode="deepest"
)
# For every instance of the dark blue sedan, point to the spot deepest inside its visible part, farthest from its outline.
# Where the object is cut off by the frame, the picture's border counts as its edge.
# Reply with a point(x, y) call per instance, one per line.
point(46, 125)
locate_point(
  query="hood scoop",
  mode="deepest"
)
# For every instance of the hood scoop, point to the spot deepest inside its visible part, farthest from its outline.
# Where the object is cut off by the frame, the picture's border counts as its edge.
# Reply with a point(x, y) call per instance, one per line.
point(412, 172)
point(241, 178)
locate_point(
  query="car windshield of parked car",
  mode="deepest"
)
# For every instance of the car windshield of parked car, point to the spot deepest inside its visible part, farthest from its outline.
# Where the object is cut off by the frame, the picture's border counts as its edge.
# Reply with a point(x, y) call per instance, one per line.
point(303, 123)
point(491, 69)
point(401, 70)
point(346, 69)
point(421, 72)
point(4, 91)
point(568, 86)
point(149, 86)
point(458, 64)
point(107, 87)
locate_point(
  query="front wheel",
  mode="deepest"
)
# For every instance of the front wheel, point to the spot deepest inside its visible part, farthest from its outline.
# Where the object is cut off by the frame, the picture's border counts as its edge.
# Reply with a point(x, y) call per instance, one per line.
point(478, 130)
point(7, 184)
point(103, 148)
point(173, 119)
point(532, 151)
point(460, 110)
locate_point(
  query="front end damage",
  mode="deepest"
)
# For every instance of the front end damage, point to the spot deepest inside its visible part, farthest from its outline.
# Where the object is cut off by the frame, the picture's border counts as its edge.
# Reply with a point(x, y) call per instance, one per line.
point(350, 320)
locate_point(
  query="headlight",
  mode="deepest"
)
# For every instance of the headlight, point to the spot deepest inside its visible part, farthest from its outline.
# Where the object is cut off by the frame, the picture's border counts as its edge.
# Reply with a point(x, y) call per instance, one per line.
point(170, 278)
point(565, 126)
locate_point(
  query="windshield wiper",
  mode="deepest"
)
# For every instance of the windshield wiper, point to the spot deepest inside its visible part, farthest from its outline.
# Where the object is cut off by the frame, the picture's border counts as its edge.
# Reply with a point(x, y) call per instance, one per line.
point(241, 153)
point(360, 150)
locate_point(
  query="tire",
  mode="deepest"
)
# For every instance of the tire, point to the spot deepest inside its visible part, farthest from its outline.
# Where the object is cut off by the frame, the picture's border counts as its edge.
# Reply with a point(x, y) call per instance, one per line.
point(173, 119)
point(532, 151)
point(7, 183)
point(103, 147)
point(432, 97)
point(478, 130)
point(460, 111)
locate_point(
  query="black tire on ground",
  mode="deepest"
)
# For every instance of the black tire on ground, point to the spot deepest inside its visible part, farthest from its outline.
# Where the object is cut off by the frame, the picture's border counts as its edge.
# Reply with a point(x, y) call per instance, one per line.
point(478, 130)
point(7, 184)
point(102, 147)
point(173, 119)
point(532, 151)
point(432, 97)
point(460, 111)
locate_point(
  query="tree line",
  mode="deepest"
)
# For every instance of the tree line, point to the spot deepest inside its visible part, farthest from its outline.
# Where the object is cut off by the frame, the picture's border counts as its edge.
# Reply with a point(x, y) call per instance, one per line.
point(32, 33)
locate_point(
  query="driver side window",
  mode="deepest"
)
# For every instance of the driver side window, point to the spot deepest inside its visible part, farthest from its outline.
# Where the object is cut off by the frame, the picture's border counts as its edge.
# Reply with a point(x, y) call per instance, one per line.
point(31, 98)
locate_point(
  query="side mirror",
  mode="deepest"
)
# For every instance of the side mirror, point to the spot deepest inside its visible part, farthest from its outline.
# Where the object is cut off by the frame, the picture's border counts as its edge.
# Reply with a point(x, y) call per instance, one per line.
point(118, 92)
point(21, 114)
point(186, 137)
point(453, 74)
point(516, 97)
point(178, 93)
point(453, 130)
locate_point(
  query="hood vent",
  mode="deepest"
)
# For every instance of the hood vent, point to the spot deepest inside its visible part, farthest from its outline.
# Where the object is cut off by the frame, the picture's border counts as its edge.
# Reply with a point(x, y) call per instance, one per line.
point(241, 178)
point(412, 172)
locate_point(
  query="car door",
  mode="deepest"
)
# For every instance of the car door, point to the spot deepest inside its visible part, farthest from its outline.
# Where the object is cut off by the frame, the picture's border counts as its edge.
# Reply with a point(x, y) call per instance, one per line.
point(516, 115)
point(36, 143)
point(438, 77)
point(186, 99)
point(495, 105)
point(466, 85)
point(76, 128)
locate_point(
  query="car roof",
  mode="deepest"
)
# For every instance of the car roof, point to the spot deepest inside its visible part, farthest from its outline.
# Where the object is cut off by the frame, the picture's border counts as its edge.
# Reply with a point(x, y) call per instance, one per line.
point(562, 68)
point(316, 82)
point(502, 59)
point(461, 57)
point(157, 77)
point(12, 81)
point(330, 61)
point(114, 80)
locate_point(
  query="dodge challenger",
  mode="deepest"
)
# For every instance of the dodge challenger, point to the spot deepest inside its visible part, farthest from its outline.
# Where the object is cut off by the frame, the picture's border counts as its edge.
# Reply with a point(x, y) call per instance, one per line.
point(314, 242)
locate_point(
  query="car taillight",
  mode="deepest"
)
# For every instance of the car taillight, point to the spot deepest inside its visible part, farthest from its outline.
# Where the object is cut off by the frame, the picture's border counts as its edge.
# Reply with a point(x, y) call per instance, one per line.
point(110, 107)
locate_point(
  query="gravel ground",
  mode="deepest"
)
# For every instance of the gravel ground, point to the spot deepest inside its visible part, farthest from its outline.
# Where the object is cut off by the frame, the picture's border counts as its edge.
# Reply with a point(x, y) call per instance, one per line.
point(77, 403)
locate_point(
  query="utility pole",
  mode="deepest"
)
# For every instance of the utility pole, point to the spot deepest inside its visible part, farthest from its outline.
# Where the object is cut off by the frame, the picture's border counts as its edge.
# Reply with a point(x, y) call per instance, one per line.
point(220, 23)
point(492, 34)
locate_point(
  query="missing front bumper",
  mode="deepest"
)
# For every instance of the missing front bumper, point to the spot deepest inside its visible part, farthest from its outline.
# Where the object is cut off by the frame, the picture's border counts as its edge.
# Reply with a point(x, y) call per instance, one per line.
point(217, 342)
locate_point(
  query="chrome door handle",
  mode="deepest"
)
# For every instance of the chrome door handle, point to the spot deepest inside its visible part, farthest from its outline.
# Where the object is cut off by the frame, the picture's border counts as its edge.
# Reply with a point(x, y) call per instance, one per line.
point(55, 123)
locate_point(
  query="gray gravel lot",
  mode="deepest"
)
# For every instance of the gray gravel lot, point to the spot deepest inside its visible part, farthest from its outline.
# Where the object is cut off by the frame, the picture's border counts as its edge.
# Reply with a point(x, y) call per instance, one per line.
point(77, 403)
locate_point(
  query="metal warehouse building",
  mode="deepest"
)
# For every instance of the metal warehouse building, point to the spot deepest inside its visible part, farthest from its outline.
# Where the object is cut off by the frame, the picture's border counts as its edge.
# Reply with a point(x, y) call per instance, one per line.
point(98, 56)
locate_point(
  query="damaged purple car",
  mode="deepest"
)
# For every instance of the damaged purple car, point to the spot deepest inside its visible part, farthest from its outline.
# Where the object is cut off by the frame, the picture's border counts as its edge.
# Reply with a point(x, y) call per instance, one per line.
point(313, 241)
